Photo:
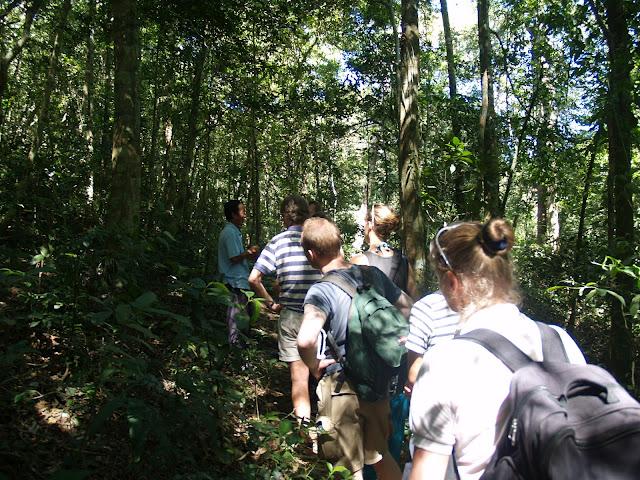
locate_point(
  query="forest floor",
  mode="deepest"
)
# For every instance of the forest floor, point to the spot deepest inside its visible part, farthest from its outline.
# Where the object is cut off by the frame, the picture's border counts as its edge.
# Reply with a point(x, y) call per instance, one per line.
point(46, 434)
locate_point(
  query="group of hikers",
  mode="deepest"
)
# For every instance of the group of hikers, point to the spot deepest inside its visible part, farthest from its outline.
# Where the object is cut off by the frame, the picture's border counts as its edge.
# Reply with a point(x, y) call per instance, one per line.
point(457, 390)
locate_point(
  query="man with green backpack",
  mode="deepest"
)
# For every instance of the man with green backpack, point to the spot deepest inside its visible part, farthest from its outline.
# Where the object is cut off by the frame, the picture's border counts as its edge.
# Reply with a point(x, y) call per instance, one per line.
point(352, 339)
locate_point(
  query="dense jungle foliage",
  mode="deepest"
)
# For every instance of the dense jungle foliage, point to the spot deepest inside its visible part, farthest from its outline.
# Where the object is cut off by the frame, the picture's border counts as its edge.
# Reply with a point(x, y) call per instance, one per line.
point(126, 124)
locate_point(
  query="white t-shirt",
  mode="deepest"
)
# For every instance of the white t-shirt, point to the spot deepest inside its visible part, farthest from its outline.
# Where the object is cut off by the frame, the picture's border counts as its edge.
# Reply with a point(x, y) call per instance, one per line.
point(461, 388)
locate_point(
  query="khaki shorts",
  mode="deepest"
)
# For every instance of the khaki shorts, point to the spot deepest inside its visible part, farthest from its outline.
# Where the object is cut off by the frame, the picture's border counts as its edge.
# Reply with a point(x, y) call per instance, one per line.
point(351, 432)
point(288, 328)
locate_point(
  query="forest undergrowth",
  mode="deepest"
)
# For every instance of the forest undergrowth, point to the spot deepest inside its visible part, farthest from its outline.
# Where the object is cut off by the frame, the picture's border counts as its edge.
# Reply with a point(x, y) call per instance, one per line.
point(116, 365)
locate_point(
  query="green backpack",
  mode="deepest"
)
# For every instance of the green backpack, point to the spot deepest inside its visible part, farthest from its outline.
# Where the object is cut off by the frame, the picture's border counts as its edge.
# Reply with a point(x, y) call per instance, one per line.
point(374, 352)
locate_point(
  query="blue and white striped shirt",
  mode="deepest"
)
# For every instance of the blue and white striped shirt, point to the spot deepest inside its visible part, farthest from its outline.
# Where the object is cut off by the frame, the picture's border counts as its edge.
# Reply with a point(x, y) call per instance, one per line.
point(431, 321)
point(284, 257)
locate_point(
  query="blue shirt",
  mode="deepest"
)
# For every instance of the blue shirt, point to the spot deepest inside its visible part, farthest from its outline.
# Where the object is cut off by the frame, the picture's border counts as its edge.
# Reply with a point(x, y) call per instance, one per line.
point(230, 245)
point(284, 257)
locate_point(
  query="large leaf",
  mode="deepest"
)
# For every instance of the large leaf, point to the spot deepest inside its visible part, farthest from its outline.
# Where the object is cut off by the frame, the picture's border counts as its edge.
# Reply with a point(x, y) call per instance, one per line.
point(145, 300)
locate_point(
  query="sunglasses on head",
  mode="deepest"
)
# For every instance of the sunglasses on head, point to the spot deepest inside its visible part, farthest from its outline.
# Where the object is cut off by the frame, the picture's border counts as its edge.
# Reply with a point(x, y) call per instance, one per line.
point(436, 241)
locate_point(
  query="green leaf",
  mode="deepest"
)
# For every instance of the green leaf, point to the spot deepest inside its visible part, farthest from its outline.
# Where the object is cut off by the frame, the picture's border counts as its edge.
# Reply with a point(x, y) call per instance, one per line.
point(169, 236)
point(99, 317)
point(104, 414)
point(285, 427)
point(144, 330)
point(592, 293)
point(145, 300)
point(198, 283)
point(633, 308)
point(123, 313)
point(243, 322)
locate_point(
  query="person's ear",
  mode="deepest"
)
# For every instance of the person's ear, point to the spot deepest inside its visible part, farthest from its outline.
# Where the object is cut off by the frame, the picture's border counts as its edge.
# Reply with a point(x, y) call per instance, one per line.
point(451, 281)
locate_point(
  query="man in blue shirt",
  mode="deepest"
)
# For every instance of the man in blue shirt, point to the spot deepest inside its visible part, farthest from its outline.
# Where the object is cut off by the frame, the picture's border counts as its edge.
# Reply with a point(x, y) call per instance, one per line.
point(233, 262)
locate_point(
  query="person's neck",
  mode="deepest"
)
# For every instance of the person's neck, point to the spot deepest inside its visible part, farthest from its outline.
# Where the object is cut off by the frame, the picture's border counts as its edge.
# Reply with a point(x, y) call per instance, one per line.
point(338, 263)
point(374, 242)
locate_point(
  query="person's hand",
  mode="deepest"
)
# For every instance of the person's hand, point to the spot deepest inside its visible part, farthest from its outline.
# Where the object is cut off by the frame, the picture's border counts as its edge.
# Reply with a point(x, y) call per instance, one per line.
point(321, 365)
point(253, 251)
point(275, 307)
point(408, 388)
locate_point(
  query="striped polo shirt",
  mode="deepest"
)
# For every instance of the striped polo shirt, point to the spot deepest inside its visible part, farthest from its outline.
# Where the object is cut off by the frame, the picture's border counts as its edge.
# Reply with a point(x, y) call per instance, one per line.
point(284, 257)
point(431, 321)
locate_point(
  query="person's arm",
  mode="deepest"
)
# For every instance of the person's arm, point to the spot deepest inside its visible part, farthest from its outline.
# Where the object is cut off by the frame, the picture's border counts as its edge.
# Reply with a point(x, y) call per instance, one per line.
point(404, 304)
point(255, 281)
point(312, 323)
point(249, 253)
point(428, 465)
point(414, 362)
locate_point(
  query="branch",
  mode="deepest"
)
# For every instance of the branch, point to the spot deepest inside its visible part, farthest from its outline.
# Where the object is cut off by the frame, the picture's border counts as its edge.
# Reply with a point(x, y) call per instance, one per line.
point(506, 71)
point(13, 4)
point(26, 31)
point(594, 9)
point(523, 130)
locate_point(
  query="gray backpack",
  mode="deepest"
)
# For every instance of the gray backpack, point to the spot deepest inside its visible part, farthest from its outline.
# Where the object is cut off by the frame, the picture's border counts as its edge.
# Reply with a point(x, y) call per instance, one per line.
point(566, 421)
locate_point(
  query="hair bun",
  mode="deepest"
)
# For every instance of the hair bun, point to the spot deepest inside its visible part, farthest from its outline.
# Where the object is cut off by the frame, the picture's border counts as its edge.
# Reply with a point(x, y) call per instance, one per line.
point(497, 237)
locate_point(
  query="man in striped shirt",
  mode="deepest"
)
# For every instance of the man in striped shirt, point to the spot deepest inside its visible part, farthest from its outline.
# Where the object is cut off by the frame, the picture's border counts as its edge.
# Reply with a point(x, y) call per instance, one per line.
point(284, 257)
point(431, 322)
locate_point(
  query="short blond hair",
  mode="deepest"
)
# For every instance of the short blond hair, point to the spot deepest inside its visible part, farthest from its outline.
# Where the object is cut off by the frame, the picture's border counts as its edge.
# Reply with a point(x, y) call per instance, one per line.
point(321, 236)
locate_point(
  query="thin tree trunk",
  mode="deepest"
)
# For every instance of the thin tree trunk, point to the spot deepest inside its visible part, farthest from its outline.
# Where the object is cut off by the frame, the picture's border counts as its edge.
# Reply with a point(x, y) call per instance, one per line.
point(254, 161)
point(34, 164)
point(409, 162)
point(124, 206)
point(88, 91)
point(458, 192)
point(153, 157)
point(620, 125)
point(102, 179)
point(10, 55)
point(488, 142)
point(572, 320)
point(188, 154)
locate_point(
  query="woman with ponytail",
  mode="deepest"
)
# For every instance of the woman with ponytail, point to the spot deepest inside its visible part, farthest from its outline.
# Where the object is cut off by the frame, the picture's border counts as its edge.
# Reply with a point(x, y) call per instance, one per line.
point(457, 398)
point(380, 223)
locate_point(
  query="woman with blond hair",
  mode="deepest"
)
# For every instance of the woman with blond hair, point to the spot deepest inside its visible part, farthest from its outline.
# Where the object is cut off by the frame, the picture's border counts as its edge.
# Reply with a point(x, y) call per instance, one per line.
point(457, 398)
point(380, 222)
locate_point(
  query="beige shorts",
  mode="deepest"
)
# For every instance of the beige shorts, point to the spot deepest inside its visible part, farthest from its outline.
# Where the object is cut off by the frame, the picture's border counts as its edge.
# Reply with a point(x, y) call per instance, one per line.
point(351, 432)
point(288, 328)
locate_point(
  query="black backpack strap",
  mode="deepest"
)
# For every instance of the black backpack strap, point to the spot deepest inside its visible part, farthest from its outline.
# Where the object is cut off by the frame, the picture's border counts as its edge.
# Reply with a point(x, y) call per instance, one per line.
point(499, 346)
point(552, 347)
point(341, 282)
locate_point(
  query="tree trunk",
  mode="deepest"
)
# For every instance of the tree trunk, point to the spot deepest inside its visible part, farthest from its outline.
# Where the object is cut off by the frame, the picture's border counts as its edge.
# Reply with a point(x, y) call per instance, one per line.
point(124, 205)
point(254, 161)
point(34, 164)
point(409, 164)
point(9, 56)
point(542, 218)
point(488, 143)
point(620, 125)
point(188, 154)
point(87, 91)
point(154, 156)
point(572, 320)
point(458, 193)
point(102, 180)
